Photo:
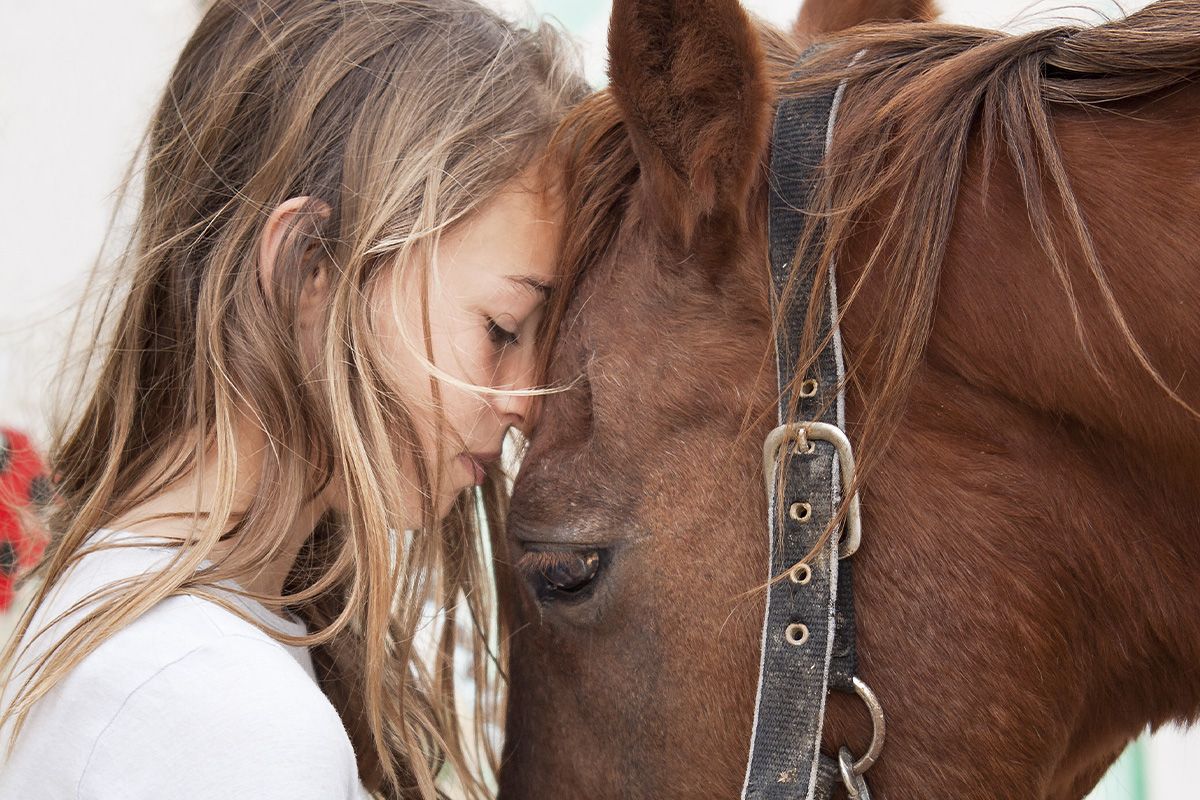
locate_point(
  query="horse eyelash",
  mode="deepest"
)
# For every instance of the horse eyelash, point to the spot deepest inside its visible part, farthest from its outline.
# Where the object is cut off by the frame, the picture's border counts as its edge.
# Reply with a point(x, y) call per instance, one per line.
point(535, 563)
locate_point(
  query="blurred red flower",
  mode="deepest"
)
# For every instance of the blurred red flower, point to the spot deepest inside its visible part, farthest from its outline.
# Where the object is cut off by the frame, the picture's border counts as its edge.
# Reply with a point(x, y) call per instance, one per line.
point(24, 489)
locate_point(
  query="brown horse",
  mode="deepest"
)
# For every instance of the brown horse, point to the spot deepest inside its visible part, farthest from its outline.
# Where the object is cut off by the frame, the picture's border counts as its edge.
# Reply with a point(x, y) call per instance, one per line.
point(1015, 222)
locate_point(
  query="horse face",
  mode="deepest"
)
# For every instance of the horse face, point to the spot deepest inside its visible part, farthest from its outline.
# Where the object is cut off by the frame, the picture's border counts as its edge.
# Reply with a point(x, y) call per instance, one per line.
point(635, 516)
point(634, 665)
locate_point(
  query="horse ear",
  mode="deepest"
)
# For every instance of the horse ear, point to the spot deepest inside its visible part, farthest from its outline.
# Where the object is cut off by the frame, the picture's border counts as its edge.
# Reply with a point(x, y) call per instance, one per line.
point(690, 79)
point(823, 17)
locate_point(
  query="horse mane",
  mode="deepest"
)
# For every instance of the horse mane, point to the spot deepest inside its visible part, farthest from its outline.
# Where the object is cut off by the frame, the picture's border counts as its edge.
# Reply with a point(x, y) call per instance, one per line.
point(596, 168)
point(923, 98)
point(920, 100)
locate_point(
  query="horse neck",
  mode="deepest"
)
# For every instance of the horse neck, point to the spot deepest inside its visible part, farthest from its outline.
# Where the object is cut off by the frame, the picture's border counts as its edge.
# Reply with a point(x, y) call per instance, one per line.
point(1004, 327)
point(1084, 470)
point(1136, 183)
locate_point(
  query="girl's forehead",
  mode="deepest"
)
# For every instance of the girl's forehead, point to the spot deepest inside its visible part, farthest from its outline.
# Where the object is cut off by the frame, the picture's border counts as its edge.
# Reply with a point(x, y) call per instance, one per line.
point(514, 238)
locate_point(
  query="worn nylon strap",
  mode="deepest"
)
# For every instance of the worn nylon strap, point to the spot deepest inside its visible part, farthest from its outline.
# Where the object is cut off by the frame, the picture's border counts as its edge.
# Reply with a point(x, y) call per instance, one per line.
point(785, 760)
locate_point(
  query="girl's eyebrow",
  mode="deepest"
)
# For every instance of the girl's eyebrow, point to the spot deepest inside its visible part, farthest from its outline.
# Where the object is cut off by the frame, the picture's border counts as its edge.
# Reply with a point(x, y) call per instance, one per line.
point(533, 283)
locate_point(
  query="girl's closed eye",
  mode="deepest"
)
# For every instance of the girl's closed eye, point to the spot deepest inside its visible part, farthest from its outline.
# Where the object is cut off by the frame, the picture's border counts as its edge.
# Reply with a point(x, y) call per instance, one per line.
point(500, 335)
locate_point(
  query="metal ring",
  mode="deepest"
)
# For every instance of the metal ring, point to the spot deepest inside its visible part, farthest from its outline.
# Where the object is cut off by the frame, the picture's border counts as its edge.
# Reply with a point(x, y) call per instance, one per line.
point(796, 633)
point(856, 784)
point(801, 511)
point(809, 387)
point(878, 725)
point(800, 573)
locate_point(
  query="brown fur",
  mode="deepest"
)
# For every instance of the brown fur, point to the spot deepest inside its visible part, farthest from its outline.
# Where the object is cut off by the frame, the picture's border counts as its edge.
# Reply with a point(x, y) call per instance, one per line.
point(824, 18)
point(1028, 438)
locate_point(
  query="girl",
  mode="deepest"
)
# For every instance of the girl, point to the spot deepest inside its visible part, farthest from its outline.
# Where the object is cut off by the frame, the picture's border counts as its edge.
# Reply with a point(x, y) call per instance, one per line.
point(330, 314)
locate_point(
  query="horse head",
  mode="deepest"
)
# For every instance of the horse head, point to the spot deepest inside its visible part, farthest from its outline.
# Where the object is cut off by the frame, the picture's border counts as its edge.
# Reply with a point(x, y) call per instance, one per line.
point(1012, 223)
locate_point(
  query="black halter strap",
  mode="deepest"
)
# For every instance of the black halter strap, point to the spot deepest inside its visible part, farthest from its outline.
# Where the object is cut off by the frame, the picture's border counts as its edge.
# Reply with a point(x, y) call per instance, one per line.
point(808, 631)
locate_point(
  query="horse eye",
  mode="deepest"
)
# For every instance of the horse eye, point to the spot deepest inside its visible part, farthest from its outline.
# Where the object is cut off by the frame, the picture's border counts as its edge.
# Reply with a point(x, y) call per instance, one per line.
point(559, 574)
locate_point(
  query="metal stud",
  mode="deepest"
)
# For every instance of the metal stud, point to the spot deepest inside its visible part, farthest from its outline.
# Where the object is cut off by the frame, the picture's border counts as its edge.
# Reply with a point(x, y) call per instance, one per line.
point(800, 573)
point(796, 633)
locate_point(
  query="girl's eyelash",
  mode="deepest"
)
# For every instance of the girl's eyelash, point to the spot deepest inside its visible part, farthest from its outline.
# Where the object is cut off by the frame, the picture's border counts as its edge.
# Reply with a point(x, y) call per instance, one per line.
point(499, 335)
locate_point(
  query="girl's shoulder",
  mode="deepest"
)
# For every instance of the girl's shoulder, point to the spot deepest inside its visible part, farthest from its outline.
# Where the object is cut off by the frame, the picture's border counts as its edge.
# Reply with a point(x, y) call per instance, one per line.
point(233, 712)
point(187, 686)
point(167, 631)
point(229, 710)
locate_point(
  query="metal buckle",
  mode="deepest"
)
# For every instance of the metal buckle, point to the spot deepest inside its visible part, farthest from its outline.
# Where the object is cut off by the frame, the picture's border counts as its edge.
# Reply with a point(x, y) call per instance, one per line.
point(802, 432)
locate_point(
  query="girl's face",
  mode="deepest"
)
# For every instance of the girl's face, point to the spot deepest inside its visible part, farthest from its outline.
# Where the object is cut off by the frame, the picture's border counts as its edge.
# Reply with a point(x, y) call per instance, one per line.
point(487, 288)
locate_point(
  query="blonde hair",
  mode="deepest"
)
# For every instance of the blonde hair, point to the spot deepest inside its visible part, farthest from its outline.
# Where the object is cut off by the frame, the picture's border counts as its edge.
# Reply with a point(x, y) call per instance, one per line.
point(401, 117)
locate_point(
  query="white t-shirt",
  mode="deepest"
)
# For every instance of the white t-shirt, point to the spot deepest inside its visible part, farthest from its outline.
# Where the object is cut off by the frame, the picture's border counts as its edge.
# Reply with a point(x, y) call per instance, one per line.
point(187, 702)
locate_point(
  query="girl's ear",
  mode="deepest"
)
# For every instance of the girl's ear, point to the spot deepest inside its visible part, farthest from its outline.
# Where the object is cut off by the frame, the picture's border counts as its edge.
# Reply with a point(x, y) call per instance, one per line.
point(292, 229)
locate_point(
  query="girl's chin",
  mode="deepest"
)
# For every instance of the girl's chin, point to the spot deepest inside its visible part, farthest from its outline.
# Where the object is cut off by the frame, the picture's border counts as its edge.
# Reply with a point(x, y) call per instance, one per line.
point(473, 469)
point(450, 497)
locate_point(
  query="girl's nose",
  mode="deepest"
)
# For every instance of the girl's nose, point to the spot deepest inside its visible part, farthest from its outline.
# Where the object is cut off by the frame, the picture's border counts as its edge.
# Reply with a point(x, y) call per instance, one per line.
point(514, 409)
